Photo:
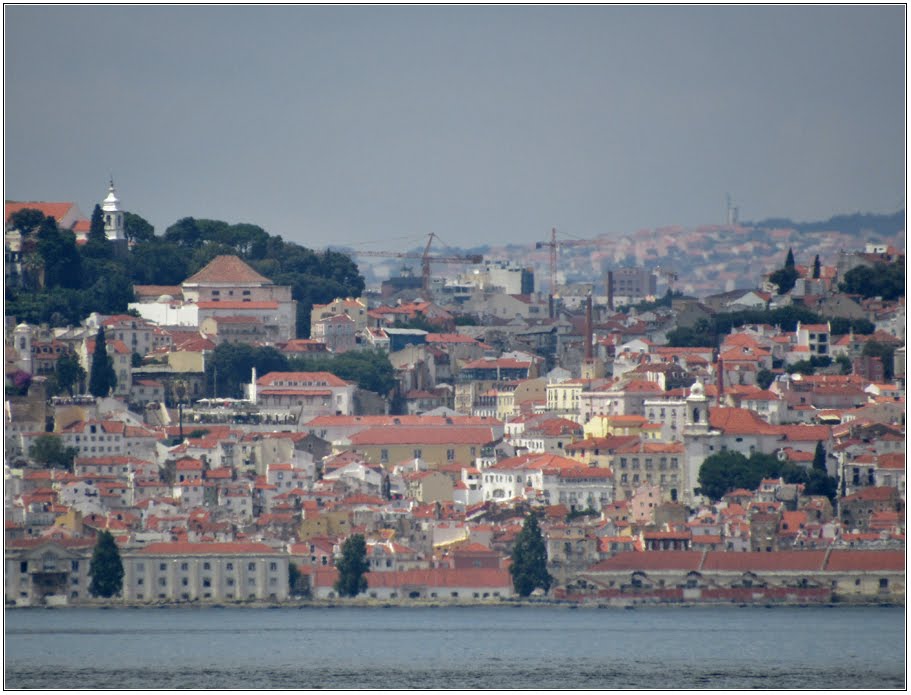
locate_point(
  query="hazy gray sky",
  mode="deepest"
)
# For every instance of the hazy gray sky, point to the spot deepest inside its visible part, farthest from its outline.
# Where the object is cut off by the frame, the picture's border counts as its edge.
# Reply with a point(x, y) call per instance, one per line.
point(345, 125)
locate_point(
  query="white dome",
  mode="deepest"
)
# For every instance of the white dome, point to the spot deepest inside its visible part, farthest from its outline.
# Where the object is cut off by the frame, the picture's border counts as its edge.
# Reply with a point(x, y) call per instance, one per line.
point(111, 203)
point(697, 389)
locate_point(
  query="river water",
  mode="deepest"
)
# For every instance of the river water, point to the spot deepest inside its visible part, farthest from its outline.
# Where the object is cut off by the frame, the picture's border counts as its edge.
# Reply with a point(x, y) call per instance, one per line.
point(497, 647)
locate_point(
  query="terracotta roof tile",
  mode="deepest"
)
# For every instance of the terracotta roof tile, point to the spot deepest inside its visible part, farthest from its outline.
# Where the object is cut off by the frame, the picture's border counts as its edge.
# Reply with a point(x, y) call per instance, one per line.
point(226, 270)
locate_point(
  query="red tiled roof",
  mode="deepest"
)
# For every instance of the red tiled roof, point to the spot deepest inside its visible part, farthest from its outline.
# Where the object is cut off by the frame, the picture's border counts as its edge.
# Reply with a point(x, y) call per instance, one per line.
point(866, 561)
point(422, 435)
point(157, 290)
point(302, 379)
point(235, 306)
point(182, 548)
point(226, 270)
point(664, 560)
point(56, 210)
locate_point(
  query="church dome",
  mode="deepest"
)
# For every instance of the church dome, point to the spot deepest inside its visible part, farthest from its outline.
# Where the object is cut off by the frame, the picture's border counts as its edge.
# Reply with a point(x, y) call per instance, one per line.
point(697, 389)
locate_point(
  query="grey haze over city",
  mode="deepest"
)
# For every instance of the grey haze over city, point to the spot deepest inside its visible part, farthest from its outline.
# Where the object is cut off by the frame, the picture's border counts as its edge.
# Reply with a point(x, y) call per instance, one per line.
point(376, 125)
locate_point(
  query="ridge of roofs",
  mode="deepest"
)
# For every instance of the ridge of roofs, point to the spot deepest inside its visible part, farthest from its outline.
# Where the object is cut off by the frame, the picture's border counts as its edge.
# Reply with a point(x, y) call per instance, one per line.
point(185, 548)
point(423, 435)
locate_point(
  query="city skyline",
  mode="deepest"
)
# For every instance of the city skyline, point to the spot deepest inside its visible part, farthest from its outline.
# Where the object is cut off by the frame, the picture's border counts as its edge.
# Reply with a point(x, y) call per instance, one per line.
point(373, 126)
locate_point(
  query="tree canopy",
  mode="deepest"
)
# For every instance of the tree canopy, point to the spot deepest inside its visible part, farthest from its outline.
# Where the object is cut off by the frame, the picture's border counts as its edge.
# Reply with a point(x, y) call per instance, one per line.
point(352, 567)
point(529, 559)
point(66, 282)
point(886, 280)
point(106, 567)
point(50, 451)
point(725, 471)
point(231, 367)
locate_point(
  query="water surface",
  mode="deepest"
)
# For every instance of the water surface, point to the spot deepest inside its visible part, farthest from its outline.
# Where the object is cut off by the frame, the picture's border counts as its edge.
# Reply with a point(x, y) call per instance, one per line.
point(457, 647)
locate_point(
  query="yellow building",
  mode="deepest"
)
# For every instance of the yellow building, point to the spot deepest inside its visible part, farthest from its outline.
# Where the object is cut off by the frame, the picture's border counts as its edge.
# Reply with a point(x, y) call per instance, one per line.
point(616, 425)
point(436, 446)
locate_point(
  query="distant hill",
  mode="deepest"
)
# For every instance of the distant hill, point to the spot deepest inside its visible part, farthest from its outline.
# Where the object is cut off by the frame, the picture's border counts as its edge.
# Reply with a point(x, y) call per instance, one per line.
point(857, 223)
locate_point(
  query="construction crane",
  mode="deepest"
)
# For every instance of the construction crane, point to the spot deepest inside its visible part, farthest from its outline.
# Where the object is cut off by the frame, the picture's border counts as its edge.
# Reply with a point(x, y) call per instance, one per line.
point(553, 258)
point(426, 259)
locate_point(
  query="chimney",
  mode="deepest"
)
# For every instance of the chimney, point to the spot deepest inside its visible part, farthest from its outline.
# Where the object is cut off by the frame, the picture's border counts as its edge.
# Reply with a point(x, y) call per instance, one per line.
point(588, 328)
point(610, 290)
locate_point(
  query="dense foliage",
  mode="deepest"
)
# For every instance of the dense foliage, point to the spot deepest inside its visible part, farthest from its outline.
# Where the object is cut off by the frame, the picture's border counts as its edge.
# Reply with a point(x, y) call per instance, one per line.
point(886, 280)
point(710, 332)
point(861, 224)
point(49, 451)
point(65, 283)
point(106, 567)
point(231, 365)
point(352, 567)
point(529, 559)
point(725, 471)
point(885, 352)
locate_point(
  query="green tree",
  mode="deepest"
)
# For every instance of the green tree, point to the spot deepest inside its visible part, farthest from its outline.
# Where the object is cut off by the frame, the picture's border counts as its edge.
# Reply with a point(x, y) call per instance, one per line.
point(885, 352)
point(730, 470)
point(96, 225)
point(785, 277)
point(103, 378)
point(764, 378)
point(352, 567)
point(293, 578)
point(886, 280)
point(137, 229)
point(529, 559)
point(26, 220)
point(59, 255)
point(819, 458)
point(70, 373)
point(844, 362)
point(371, 370)
point(817, 268)
point(49, 451)
point(185, 232)
point(106, 567)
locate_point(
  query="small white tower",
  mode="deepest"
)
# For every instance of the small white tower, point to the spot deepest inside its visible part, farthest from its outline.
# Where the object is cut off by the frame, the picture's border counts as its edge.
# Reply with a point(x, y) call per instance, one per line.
point(113, 216)
point(697, 411)
point(22, 338)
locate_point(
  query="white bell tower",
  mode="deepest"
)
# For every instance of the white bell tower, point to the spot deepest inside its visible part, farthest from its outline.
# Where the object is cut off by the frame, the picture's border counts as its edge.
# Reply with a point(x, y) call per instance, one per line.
point(113, 216)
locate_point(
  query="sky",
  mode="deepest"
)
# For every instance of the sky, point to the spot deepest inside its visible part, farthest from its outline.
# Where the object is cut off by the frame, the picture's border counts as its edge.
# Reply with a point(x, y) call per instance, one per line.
point(373, 126)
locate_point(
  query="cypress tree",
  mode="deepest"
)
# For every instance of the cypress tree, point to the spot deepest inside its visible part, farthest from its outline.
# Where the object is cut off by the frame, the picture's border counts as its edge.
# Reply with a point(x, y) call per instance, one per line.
point(789, 261)
point(352, 566)
point(817, 268)
point(103, 378)
point(529, 559)
point(96, 226)
point(819, 458)
point(106, 568)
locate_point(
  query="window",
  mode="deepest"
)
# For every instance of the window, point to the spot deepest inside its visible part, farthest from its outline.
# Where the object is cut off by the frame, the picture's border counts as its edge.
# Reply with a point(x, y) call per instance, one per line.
point(273, 566)
point(162, 581)
point(162, 567)
point(206, 566)
point(450, 454)
point(230, 566)
point(251, 566)
point(417, 453)
point(184, 566)
point(23, 566)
